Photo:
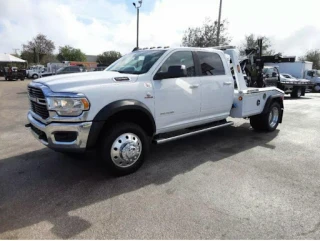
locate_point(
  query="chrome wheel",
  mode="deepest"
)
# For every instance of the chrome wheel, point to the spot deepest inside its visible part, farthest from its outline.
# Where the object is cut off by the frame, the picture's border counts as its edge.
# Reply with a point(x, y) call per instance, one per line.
point(299, 93)
point(273, 117)
point(126, 150)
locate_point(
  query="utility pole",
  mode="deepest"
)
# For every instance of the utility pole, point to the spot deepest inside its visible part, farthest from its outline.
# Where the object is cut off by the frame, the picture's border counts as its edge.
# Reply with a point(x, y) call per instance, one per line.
point(137, 7)
point(16, 51)
point(219, 20)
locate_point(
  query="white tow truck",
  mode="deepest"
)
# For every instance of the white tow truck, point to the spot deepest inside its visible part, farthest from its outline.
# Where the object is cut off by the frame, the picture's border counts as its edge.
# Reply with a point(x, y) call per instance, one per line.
point(148, 96)
point(35, 71)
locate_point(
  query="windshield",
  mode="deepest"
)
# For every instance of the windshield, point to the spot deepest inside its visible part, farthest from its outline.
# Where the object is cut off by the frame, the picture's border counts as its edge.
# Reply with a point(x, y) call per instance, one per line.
point(138, 62)
point(318, 73)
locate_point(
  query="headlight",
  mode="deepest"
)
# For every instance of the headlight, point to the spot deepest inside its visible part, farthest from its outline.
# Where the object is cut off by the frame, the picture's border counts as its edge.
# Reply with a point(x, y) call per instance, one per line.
point(68, 106)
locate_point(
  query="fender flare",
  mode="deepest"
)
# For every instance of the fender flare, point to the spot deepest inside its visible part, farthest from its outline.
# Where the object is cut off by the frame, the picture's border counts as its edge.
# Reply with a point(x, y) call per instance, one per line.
point(109, 110)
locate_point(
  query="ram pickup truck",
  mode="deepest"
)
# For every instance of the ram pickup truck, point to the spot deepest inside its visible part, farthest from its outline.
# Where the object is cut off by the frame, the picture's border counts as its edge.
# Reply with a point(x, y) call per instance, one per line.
point(147, 96)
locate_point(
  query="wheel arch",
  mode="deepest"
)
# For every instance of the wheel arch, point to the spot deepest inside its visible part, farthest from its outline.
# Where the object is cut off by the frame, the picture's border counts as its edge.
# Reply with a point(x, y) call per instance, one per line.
point(127, 110)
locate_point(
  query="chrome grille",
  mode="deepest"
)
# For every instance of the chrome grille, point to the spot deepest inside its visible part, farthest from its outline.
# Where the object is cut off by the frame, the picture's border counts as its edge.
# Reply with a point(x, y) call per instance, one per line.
point(38, 102)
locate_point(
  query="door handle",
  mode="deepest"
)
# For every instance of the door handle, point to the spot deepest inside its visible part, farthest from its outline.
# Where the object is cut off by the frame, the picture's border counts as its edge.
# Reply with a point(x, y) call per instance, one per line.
point(194, 86)
point(227, 83)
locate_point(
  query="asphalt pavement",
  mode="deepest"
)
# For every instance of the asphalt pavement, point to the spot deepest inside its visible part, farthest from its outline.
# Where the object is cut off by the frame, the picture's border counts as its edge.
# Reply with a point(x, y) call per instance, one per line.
point(232, 183)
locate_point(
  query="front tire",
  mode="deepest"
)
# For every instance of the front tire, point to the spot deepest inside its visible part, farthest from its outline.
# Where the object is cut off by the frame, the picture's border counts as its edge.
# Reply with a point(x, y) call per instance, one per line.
point(268, 121)
point(123, 148)
point(35, 76)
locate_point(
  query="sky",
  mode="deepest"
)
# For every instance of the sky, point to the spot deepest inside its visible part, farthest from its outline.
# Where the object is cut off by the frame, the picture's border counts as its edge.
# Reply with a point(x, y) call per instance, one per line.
point(96, 26)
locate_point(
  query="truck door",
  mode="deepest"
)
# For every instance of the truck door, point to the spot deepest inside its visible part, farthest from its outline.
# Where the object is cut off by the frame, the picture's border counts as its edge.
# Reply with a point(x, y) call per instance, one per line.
point(217, 87)
point(177, 100)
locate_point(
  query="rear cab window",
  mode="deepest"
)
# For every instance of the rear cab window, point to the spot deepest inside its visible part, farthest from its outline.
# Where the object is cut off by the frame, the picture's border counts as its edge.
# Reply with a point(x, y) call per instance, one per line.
point(210, 63)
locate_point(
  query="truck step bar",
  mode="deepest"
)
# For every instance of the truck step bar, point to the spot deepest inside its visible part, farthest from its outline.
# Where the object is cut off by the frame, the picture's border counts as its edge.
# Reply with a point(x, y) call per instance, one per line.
point(214, 126)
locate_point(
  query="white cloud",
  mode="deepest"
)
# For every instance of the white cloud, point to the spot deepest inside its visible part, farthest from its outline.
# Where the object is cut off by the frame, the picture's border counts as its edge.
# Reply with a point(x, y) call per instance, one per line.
point(292, 25)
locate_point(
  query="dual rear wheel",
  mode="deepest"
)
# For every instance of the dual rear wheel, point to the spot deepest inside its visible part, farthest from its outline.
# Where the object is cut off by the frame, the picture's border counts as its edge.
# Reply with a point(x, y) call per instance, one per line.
point(268, 121)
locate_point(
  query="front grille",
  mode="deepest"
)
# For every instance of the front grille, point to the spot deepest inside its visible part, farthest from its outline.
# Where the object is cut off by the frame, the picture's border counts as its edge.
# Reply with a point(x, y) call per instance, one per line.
point(38, 102)
point(35, 92)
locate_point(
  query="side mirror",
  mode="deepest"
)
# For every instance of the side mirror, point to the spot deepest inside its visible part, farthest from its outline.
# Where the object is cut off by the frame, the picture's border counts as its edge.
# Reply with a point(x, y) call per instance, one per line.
point(174, 71)
point(274, 74)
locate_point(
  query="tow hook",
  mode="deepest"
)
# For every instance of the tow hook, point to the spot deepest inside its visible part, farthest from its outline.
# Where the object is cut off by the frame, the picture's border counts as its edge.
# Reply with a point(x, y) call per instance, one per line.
point(27, 125)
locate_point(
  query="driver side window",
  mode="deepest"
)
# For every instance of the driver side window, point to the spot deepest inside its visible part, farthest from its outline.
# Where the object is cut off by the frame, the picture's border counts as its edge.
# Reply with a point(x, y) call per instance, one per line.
point(310, 73)
point(179, 58)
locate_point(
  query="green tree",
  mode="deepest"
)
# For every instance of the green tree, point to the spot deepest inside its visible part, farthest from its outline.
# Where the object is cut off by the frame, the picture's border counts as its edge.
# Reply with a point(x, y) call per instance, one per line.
point(206, 35)
point(312, 56)
point(68, 53)
point(39, 46)
point(251, 42)
point(28, 56)
point(108, 57)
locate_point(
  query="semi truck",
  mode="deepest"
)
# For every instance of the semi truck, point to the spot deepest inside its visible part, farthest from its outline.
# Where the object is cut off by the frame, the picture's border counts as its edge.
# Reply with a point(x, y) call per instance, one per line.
point(300, 70)
point(171, 94)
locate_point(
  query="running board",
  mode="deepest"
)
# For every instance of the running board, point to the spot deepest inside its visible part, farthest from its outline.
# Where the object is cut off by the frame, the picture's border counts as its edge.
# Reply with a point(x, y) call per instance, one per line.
point(173, 138)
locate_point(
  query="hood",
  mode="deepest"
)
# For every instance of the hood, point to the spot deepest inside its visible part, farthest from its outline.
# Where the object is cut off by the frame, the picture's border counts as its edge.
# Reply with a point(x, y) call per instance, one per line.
point(64, 82)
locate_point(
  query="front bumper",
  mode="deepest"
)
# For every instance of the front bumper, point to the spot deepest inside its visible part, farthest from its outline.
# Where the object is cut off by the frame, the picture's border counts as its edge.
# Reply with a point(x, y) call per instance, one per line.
point(47, 134)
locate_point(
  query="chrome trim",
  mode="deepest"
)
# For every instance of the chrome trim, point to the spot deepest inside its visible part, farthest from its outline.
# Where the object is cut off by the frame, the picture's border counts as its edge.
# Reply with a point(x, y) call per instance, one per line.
point(164, 140)
point(126, 150)
point(273, 117)
point(82, 129)
point(53, 116)
point(49, 93)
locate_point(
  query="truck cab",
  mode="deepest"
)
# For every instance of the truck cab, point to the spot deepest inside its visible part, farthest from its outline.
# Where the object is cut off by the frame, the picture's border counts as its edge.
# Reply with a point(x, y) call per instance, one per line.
point(314, 76)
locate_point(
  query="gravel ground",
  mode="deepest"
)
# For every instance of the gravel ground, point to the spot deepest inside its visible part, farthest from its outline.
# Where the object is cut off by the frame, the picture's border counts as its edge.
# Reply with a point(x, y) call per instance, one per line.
point(232, 183)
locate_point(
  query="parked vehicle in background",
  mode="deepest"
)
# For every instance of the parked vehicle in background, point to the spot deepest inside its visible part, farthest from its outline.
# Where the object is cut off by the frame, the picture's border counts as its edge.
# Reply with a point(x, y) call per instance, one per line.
point(13, 73)
point(99, 68)
point(290, 85)
point(70, 70)
point(34, 72)
point(85, 65)
point(300, 70)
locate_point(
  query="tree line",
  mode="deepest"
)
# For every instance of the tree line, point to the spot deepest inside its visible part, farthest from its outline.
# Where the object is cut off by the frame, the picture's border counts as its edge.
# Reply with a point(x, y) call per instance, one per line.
point(206, 36)
point(40, 49)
